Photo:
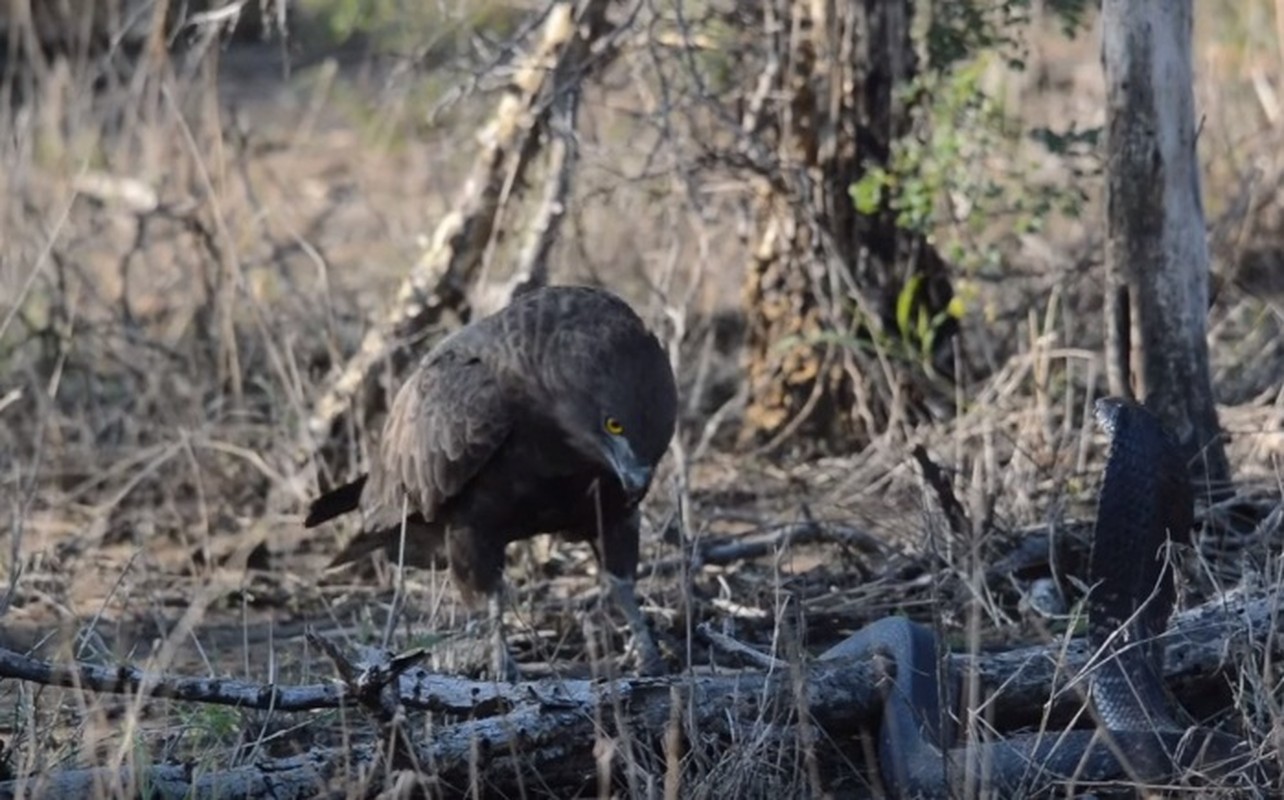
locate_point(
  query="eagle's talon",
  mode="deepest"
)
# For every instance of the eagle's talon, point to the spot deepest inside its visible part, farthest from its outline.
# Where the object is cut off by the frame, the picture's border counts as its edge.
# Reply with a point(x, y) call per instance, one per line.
point(649, 662)
point(503, 667)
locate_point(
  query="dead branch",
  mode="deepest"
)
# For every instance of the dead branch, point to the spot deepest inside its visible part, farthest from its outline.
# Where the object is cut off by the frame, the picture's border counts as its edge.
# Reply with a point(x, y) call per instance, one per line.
point(439, 281)
point(293, 777)
point(372, 681)
point(936, 478)
point(729, 645)
point(550, 728)
point(743, 547)
point(541, 232)
point(131, 680)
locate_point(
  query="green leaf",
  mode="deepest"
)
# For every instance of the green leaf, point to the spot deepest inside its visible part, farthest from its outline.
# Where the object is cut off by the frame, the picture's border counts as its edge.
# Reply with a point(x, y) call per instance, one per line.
point(867, 193)
point(905, 305)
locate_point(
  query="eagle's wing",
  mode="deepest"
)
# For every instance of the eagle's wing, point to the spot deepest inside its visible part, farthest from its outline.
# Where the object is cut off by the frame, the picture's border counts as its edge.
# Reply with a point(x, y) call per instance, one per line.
point(445, 424)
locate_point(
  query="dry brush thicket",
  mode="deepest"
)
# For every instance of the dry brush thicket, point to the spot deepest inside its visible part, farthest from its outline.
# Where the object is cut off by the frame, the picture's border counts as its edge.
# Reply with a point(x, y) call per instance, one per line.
point(197, 246)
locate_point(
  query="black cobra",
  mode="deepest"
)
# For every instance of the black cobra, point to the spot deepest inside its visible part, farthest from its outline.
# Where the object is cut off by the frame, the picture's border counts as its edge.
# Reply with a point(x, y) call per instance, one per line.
point(1145, 498)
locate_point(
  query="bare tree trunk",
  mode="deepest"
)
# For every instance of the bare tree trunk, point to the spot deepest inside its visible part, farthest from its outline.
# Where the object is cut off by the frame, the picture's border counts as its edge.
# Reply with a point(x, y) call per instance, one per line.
point(1156, 245)
point(824, 280)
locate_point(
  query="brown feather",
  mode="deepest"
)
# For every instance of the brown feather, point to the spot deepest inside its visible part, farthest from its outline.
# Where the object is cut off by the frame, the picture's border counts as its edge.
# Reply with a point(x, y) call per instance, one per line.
point(337, 501)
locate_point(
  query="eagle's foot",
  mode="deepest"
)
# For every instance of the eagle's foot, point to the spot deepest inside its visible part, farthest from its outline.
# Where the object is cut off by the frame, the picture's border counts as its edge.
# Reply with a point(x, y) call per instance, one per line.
point(503, 667)
point(646, 653)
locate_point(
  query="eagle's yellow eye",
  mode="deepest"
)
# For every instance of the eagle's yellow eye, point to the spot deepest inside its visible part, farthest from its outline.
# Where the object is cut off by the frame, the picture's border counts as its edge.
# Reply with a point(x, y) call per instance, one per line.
point(613, 426)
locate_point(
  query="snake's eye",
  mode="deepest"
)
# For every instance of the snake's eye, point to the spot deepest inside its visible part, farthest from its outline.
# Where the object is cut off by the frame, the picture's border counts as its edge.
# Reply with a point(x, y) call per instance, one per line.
point(613, 426)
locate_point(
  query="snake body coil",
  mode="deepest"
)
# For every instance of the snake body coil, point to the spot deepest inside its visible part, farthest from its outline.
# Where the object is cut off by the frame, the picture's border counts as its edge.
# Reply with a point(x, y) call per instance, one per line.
point(1145, 499)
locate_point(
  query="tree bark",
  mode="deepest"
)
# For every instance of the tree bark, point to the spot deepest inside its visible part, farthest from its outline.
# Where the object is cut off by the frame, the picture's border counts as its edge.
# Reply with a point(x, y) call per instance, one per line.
point(1156, 245)
point(824, 280)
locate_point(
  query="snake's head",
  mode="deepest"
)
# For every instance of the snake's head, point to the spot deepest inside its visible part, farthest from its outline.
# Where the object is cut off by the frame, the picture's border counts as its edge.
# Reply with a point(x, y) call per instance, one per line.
point(1118, 414)
point(1107, 410)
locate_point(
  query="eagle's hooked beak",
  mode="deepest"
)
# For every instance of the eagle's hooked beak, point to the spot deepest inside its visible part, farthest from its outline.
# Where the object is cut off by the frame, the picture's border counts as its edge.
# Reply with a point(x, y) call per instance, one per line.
point(634, 475)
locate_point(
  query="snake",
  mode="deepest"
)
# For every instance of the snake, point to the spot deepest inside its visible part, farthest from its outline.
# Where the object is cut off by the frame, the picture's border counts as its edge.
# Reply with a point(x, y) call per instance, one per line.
point(1142, 736)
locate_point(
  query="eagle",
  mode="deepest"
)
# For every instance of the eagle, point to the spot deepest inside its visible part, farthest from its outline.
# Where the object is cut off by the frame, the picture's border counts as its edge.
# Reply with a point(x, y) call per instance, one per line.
point(548, 416)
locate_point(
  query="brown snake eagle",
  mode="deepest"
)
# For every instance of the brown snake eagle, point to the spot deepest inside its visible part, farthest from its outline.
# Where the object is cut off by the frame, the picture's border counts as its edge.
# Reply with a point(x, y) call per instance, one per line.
point(548, 416)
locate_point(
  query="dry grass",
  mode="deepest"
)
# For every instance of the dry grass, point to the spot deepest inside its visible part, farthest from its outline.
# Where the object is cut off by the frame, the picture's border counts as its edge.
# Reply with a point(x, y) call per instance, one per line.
point(185, 250)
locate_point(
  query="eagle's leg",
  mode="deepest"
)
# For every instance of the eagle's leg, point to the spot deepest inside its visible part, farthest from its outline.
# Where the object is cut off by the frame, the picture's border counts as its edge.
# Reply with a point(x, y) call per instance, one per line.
point(478, 570)
point(503, 667)
point(649, 660)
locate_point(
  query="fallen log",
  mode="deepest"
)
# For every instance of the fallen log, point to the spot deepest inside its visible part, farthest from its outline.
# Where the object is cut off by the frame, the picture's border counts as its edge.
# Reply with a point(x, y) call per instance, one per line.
point(561, 733)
